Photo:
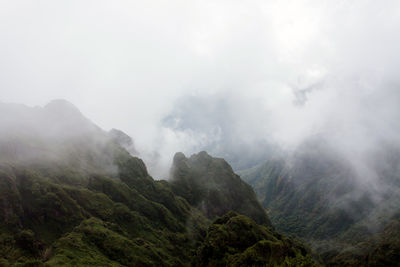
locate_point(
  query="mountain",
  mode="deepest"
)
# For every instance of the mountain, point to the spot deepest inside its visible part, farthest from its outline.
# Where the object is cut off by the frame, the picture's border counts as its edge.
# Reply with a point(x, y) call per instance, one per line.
point(320, 197)
point(381, 249)
point(123, 140)
point(72, 195)
point(211, 185)
point(214, 119)
point(235, 240)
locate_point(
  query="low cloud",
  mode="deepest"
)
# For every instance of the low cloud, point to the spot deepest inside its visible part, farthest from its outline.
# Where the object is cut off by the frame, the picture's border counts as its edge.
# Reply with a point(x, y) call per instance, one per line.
point(222, 75)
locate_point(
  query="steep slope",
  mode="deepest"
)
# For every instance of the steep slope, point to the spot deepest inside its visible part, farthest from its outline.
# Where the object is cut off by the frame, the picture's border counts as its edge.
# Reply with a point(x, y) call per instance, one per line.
point(235, 240)
point(45, 214)
point(211, 185)
point(382, 249)
point(318, 196)
point(74, 194)
point(75, 197)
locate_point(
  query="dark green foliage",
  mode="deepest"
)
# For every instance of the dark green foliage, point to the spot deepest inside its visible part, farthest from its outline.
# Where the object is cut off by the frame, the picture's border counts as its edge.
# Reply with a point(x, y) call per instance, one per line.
point(72, 196)
point(10, 200)
point(236, 240)
point(48, 209)
point(211, 185)
point(316, 196)
point(383, 249)
point(120, 192)
point(27, 241)
point(101, 243)
point(53, 218)
point(302, 200)
point(103, 221)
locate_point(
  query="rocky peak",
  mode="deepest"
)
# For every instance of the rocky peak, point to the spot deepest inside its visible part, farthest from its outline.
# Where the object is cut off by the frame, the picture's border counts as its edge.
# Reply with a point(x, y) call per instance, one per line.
point(62, 107)
point(211, 185)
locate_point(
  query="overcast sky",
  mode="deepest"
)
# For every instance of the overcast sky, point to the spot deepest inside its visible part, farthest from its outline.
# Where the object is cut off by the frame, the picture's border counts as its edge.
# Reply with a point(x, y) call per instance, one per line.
point(291, 68)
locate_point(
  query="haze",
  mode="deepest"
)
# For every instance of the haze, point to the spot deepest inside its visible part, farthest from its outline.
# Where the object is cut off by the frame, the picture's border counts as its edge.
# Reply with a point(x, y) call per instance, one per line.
point(189, 75)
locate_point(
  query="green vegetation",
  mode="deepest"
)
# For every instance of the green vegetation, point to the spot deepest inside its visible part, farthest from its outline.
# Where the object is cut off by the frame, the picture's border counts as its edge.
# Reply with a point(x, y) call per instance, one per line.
point(50, 219)
point(211, 185)
point(236, 240)
point(316, 197)
point(80, 199)
point(59, 216)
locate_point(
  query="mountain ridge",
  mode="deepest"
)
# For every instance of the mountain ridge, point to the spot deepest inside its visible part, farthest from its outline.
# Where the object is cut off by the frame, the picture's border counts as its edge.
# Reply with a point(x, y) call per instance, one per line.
point(317, 196)
point(96, 204)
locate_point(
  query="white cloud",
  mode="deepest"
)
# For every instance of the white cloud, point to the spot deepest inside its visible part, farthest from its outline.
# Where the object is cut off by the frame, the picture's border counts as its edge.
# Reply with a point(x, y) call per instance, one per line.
point(125, 63)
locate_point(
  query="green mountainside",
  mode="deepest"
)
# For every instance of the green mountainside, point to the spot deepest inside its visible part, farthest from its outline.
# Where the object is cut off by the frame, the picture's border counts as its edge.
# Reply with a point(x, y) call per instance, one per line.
point(236, 240)
point(318, 197)
point(211, 185)
point(71, 195)
point(382, 249)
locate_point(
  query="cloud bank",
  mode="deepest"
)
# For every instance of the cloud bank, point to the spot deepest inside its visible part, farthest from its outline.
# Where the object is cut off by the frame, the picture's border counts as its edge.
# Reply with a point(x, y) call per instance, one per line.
point(187, 75)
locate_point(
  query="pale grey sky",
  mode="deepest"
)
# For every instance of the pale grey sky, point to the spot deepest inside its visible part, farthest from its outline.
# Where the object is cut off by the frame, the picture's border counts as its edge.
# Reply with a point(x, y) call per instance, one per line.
point(126, 64)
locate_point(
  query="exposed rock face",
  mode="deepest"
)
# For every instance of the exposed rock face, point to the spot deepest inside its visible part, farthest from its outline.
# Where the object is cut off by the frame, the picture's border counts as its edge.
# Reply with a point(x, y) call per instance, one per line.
point(211, 185)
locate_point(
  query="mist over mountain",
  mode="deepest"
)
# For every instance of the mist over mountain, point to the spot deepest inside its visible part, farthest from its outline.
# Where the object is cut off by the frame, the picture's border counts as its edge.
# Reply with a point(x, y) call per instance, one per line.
point(284, 70)
point(80, 198)
point(334, 184)
point(322, 197)
point(299, 99)
point(224, 125)
point(354, 124)
point(54, 134)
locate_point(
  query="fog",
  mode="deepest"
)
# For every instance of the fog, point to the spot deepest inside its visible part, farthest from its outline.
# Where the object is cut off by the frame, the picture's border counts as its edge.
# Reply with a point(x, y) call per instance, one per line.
point(238, 78)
